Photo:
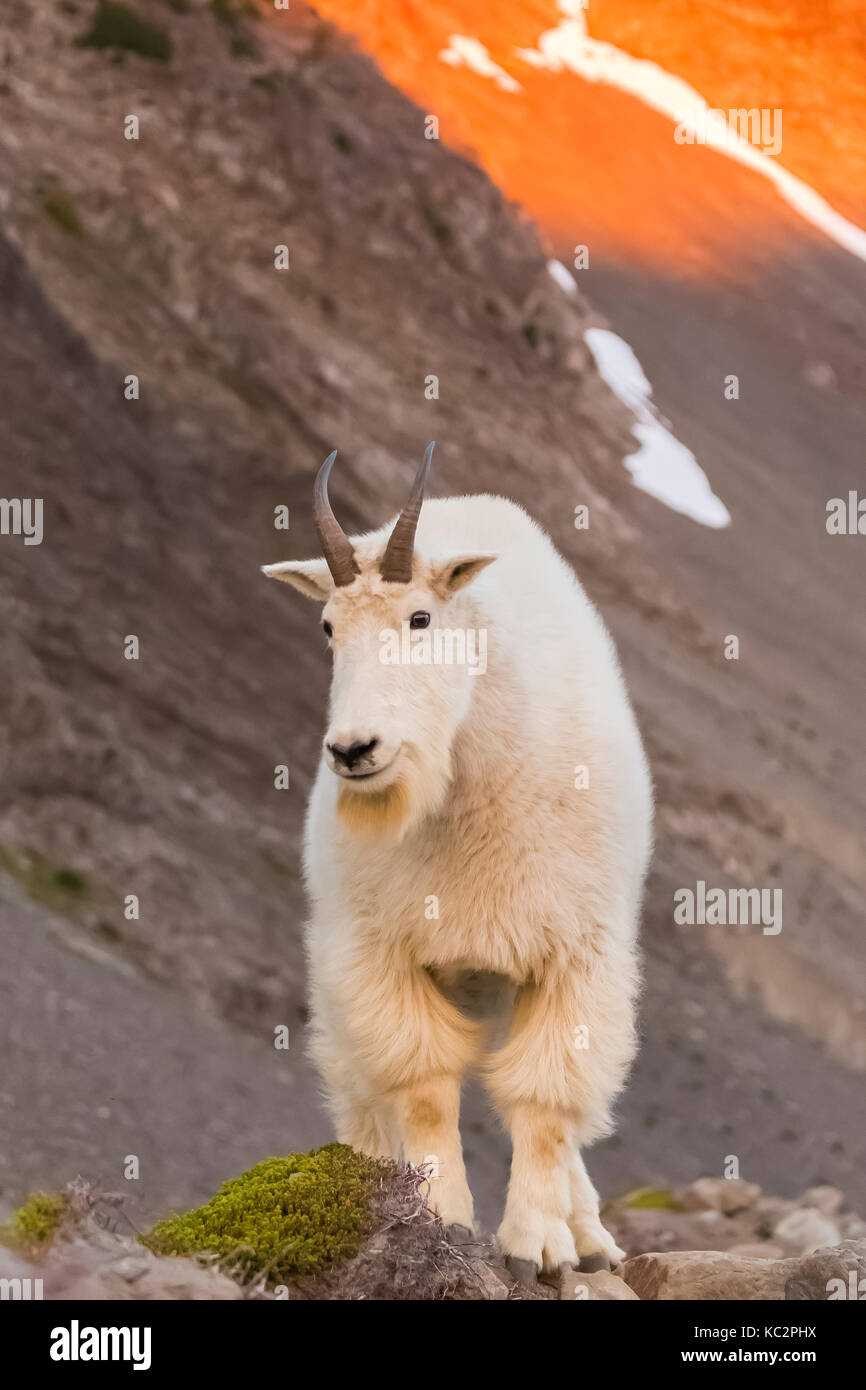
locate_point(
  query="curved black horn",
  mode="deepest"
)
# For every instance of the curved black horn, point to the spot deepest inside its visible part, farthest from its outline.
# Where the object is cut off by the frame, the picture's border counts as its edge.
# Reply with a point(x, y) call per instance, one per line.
point(336, 545)
point(397, 561)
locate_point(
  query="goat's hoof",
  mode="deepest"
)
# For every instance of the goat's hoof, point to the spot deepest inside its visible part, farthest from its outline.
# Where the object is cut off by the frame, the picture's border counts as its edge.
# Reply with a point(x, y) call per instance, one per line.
point(522, 1271)
point(591, 1264)
point(459, 1235)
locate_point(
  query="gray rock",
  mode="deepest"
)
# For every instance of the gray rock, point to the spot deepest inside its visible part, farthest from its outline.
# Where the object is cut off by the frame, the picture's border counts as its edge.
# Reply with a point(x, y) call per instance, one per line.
point(837, 1274)
point(129, 1267)
point(828, 1200)
point(852, 1226)
point(768, 1212)
point(488, 1280)
point(727, 1195)
point(806, 1230)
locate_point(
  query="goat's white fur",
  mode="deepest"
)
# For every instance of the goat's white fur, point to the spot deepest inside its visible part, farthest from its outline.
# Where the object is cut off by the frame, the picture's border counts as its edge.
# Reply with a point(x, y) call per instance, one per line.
point(536, 879)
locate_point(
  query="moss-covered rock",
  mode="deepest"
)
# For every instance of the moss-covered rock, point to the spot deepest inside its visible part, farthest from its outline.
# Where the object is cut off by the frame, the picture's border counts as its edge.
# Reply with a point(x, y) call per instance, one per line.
point(286, 1217)
point(32, 1228)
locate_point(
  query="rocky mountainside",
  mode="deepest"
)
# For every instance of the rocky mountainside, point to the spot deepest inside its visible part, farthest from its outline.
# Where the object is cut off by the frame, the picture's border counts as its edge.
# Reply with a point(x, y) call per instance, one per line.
point(156, 776)
point(716, 1239)
point(154, 258)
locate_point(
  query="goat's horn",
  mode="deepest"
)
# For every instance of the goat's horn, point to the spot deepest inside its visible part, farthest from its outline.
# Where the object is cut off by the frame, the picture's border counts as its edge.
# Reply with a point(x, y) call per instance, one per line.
point(397, 561)
point(335, 543)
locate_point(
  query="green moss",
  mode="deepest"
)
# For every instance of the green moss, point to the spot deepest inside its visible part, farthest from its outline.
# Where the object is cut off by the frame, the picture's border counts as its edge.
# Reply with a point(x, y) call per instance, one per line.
point(55, 886)
point(33, 1226)
point(285, 1217)
point(117, 26)
point(62, 210)
point(651, 1199)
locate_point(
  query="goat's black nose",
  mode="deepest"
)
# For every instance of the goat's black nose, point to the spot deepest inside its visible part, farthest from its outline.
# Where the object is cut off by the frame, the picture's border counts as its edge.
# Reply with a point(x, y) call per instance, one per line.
point(353, 753)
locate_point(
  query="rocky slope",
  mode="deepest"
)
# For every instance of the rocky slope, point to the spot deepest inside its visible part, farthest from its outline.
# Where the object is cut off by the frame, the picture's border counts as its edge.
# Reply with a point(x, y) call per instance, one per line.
point(716, 1239)
point(157, 776)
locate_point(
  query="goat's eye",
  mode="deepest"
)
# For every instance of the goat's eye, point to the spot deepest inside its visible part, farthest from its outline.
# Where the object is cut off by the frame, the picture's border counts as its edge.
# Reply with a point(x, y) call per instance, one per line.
point(327, 629)
point(419, 619)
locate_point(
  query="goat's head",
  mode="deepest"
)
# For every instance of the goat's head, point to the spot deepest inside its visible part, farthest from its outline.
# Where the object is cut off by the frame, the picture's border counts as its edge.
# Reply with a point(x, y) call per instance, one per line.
point(404, 652)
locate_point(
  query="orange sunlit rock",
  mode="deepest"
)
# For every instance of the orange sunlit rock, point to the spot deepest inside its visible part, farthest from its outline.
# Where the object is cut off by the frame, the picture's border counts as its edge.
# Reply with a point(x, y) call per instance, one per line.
point(594, 165)
point(808, 59)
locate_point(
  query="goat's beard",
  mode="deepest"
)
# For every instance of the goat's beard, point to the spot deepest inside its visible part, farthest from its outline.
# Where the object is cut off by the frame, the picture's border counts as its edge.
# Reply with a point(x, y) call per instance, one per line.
point(390, 812)
point(382, 812)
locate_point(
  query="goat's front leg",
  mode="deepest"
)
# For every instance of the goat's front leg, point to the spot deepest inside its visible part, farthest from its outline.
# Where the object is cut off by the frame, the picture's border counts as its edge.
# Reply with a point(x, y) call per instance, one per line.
point(535, 1232)
point(411, 1046)
point(428, 1117)
point(551, 1094)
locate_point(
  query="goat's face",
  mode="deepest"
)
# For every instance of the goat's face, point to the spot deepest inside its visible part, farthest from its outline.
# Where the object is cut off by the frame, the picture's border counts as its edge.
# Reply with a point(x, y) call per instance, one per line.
point(405, 661)
point(405, 655)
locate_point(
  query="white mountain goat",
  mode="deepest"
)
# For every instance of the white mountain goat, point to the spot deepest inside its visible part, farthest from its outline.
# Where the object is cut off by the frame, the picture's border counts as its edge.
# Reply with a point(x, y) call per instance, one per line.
point(473, 821)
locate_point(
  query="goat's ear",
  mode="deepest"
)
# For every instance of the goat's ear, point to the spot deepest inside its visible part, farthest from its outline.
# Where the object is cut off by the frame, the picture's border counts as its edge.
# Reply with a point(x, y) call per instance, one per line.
point(456, 573)
point(312, 578)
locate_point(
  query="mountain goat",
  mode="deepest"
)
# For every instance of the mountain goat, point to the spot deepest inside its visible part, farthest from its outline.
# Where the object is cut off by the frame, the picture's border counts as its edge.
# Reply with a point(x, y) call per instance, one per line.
point(473, 824)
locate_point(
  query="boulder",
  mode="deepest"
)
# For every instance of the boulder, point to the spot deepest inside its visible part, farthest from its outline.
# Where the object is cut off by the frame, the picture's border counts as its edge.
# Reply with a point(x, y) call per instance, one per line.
point(805, 1230)
point(836, 1274)
point(833, 1273)
point(705, 1274)
point(758, 1250)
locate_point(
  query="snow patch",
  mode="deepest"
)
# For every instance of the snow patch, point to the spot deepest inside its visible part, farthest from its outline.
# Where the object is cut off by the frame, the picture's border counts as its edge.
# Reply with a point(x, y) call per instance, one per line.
point(662, 466)
point(463, 51)
point(563, 277)
point(570, 46)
